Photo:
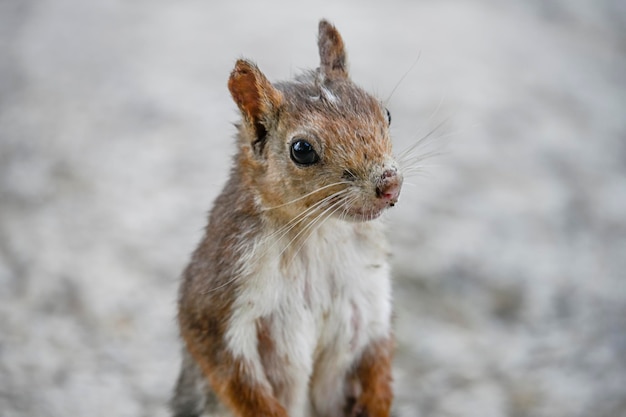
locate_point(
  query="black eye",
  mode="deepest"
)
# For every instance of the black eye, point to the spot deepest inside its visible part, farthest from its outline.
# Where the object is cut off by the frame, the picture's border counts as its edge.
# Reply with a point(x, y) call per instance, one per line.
point(388, 116)
point(302, 152)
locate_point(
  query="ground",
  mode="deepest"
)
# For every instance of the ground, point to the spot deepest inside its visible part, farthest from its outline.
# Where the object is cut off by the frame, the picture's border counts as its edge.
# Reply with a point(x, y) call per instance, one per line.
point(509, 245)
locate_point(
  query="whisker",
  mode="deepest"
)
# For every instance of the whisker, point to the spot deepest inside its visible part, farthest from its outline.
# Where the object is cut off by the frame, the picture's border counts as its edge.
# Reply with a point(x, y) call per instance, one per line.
point(352, 175)
point(293, 223)
point(422, 141)
point(424, 173)
point(447, 135)
point(308, 227)
point(313, 226)
point(347, 201)
point(230, 281)
point(417, 166)
point(286, 229)
point(395, 87)
point(347, 204)
point(439, 105)
point(418, 171)
point(302, 216)
point(418, 159)
point(306, 195)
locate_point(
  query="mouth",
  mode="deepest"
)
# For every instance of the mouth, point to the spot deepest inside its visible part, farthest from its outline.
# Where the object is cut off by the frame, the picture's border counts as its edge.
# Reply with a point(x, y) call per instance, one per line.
point(362, 214)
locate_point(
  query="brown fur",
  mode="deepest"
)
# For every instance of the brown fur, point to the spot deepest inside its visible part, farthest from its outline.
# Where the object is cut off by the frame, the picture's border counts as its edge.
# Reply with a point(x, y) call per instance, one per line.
point(272, 364)
point(374, 374)
point(321, 107)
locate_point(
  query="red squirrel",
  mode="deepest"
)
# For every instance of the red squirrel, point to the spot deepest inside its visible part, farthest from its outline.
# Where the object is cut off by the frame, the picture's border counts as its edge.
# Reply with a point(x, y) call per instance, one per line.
point(285, 306)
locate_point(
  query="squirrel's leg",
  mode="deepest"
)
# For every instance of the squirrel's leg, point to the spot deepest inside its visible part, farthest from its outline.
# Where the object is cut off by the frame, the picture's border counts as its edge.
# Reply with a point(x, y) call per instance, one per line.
point(233, 381)
point(373, 372)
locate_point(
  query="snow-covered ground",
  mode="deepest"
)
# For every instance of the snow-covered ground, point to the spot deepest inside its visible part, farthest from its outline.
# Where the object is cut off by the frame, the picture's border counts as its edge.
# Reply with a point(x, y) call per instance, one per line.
point(510, 249)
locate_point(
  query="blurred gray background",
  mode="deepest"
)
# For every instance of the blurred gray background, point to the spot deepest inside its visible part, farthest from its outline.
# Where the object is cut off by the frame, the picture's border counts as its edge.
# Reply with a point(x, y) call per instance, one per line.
point(509, 250)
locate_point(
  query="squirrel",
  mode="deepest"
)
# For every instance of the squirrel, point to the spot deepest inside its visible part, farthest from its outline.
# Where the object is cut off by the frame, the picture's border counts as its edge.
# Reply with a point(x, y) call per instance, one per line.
point(285, 307)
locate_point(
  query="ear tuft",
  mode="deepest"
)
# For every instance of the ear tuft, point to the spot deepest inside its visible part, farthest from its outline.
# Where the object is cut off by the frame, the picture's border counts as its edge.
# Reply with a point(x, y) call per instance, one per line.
point(333, 62)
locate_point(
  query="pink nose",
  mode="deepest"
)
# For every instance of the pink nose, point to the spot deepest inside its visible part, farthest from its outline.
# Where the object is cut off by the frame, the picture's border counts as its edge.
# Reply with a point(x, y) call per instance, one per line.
point(389, 186)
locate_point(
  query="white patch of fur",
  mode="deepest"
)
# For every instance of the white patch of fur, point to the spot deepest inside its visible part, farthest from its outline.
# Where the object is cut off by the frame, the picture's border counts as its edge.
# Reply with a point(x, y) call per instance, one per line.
point(328, 95)
point(323, 308)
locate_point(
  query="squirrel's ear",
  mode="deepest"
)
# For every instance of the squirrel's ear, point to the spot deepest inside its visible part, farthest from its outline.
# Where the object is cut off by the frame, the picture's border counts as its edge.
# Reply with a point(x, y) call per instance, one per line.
point(255, 96)
point(333, 62)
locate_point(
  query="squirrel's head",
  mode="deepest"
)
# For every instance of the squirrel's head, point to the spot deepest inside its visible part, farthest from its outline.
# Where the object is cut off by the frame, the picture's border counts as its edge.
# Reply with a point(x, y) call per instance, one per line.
point(316, 146)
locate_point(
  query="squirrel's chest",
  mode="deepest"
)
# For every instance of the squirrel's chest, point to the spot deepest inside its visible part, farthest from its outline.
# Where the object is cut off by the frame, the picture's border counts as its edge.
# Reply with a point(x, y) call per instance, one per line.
point(311, 310)
point(340, 263)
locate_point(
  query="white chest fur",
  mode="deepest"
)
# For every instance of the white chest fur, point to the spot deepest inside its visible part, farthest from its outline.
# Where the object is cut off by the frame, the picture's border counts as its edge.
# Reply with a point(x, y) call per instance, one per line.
point(320, 307)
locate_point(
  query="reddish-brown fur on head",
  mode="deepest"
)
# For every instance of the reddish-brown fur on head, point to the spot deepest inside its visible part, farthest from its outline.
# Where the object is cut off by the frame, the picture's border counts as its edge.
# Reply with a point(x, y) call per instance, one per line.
point(347, 127)
point(256, 98)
